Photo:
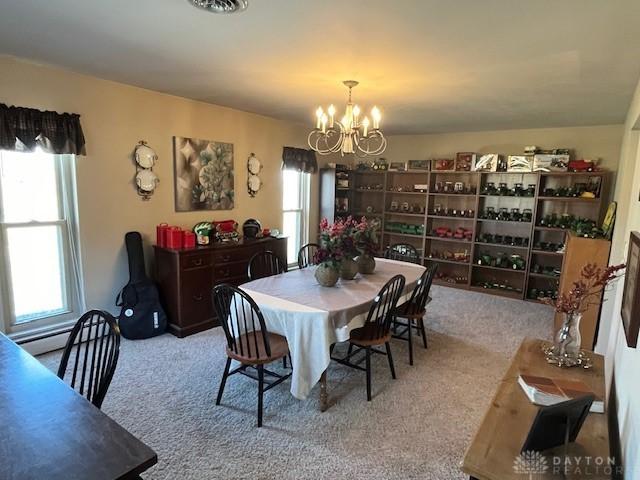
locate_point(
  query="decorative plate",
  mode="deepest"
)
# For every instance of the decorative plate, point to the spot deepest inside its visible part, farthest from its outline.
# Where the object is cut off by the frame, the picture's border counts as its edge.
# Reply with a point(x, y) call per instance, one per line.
point(146, 180)
point(253, 184)
point(253, 165)
point(145, 155)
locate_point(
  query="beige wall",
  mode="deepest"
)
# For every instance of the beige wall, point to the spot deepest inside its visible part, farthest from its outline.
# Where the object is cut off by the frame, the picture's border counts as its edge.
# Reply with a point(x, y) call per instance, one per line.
point(623, 363)
point(114, 118)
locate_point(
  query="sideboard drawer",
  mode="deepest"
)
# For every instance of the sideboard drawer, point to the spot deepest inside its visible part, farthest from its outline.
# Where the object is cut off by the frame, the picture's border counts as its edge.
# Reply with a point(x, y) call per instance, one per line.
point(229, 270)
point(195, 300)
point(195, 260)
point(233, 255)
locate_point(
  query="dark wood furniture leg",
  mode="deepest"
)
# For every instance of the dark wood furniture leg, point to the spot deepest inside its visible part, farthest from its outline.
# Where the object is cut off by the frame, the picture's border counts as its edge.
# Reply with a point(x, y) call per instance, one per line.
point(324, 403)
point(410, 322)
point(260, 392)
point(223, 381)
point(424, 334)
point(368, 367)
point(390, 358)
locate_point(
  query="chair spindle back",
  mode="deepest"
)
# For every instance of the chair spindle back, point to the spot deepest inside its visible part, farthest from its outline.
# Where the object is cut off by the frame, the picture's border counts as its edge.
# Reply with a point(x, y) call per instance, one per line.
point(265, 264)
point(383, 306)
point(306, 253)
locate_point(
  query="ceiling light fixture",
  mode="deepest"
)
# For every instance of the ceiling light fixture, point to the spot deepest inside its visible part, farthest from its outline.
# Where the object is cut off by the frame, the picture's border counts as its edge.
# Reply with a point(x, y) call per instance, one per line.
point(350, 134)
point(220, 6)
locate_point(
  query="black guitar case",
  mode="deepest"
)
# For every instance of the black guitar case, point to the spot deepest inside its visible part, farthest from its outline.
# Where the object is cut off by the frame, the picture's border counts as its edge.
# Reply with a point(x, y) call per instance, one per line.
point(141, 315)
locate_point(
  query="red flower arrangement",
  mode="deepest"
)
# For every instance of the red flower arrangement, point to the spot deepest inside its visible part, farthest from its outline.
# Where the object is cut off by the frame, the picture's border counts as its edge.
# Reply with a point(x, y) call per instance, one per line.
point(586, 291)
point(345, 239)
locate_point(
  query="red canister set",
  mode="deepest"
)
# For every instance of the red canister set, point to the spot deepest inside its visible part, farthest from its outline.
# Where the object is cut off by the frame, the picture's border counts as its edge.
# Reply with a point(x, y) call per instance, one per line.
point(174, 237)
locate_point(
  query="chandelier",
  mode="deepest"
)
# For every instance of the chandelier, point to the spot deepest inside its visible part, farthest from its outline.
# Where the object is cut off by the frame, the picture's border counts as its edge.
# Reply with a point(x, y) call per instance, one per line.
point(350, 134)
point(220, 6)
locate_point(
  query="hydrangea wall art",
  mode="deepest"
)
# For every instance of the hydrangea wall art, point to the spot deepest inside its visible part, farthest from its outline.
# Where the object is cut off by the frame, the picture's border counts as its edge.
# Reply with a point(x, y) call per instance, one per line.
point(203, 174)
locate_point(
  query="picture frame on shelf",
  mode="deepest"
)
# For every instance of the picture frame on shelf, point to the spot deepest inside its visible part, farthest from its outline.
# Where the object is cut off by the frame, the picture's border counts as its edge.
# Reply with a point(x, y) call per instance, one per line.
point(630, 310)
point(418, 165)
point(464, 161)
point(397, 166)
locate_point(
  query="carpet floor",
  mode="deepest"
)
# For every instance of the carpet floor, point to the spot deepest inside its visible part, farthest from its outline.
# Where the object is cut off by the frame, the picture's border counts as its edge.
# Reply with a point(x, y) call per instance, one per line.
point(416, 427)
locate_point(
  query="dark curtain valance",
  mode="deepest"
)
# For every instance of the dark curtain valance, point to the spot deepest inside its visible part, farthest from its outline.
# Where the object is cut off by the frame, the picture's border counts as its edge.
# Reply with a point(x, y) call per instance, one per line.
point(299, 159)
point(24, 129)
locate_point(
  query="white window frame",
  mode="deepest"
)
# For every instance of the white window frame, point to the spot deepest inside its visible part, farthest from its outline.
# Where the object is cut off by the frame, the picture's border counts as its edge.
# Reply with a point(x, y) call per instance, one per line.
point(71, 255)
point(304, 201)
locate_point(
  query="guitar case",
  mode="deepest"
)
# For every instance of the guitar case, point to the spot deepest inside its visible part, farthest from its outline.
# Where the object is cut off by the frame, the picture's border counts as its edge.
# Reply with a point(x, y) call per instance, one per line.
point(141, 315)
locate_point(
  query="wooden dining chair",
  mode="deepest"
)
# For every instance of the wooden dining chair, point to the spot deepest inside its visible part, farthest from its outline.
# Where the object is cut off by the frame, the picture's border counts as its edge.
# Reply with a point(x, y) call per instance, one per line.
point(93, 347)
point(265, 264)
point(306, 253)
point(405, 252)
point(410, 315)
point(248, 340)
point(376, 330)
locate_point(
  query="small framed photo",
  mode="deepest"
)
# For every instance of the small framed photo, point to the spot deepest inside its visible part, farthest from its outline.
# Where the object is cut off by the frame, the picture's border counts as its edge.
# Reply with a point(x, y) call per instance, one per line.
point(464, 161)
point(418, 165)
point(631, 293)
point(397, 166)
point(443, 164)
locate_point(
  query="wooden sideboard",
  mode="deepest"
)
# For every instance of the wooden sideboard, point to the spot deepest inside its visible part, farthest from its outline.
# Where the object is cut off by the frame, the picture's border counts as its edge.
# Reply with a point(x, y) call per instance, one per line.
point(186, 277)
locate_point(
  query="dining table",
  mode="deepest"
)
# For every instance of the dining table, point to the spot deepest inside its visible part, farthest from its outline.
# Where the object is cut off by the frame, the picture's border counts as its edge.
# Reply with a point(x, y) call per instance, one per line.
point(313, 317)
point(49, 431)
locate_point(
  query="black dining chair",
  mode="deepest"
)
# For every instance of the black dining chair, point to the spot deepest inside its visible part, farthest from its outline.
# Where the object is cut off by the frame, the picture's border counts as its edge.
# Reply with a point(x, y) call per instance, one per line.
point(376, 330)
point(93, 347)
point(265, 264)
point(306, 253)
point(410, 315)
point(248, 340)
point(405, 252)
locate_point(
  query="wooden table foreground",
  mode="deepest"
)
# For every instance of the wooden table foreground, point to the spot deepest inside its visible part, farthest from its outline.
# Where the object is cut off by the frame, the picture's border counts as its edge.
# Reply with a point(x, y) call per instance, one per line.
point(496, 446)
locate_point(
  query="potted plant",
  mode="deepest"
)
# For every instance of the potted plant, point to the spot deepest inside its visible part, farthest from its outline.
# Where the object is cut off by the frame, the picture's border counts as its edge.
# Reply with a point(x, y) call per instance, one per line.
point(365, 234)
point(565, 351)
point(329, 255)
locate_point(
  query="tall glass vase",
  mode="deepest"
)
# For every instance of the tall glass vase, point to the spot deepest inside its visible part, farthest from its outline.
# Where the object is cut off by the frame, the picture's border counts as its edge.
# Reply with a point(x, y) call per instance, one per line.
point(565, 351)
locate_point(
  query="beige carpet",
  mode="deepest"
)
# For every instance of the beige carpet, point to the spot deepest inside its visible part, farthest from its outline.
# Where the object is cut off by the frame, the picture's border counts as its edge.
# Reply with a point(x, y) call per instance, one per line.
point(416, 427)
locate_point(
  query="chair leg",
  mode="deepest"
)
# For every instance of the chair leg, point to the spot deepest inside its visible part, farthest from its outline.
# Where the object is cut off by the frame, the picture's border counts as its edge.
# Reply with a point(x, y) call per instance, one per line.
point(410, 321)
point(350, 349)
point(260, 393)
point(284, 362)
point(390, 358)
point(223, 381)
point(424, 335)
point(368, 366)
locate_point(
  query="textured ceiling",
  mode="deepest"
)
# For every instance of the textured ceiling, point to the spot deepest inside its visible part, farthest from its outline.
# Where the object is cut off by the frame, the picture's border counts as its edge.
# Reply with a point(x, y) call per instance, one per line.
point(431, 65)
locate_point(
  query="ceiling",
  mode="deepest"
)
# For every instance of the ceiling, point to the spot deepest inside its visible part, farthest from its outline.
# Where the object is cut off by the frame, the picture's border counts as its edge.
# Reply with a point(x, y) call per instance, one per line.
point(431, 65)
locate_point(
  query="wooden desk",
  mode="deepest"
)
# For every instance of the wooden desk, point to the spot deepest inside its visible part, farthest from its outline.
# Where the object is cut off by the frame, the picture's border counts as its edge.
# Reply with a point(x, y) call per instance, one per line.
point(506, 423)
point(50, 432)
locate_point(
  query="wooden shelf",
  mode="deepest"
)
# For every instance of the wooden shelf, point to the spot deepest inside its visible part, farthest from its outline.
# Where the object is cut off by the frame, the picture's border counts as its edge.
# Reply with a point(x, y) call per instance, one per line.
point(497, 291)
point(462, 195)
point(406, 193)
point(444, 283)
point(569, 199)
point(448, 239)
point(443, 260)
point(449, 217)
point(421, 215)
point(501, 245)
point(546, 252)
point(499, 268)
point(429, 243)
point(411, 235)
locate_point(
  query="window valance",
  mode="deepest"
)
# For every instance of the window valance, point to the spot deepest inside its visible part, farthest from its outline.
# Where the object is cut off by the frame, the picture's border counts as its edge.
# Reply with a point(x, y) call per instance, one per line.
point(299, 159)
point(24, 129)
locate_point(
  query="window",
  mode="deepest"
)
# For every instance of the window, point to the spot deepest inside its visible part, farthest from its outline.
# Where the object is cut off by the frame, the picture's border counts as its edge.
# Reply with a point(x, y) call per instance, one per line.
point(295, 208)
point(39, 264)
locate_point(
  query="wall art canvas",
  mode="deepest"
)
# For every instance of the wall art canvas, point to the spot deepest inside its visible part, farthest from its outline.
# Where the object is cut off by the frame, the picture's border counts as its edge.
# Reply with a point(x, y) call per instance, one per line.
point(204, 176)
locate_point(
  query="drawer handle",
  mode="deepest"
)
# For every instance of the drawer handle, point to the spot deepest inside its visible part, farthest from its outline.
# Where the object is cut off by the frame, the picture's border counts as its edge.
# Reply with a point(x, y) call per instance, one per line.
point(225, 273)
point(197, 262)
point(198, 298)
point(226, 258)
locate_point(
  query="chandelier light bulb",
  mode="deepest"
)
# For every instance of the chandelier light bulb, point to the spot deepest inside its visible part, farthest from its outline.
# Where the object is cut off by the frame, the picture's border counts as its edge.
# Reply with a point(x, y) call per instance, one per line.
point(332, 111)
point(319, 113)
point(356, 112)
point(376, 115)
point(365, 126)
point(323, 120)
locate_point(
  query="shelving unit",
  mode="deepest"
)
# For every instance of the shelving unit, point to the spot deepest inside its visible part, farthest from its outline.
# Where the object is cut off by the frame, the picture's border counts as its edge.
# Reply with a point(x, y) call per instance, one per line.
point(388, 197)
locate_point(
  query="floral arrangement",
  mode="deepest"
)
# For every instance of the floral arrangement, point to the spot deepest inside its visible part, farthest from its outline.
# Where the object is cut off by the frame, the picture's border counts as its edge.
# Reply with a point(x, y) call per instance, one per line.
point(587, 290)
point(345, 239)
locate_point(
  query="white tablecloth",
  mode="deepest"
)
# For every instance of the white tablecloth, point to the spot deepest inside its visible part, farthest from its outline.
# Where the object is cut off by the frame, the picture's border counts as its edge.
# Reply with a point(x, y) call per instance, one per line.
point(312, 317)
